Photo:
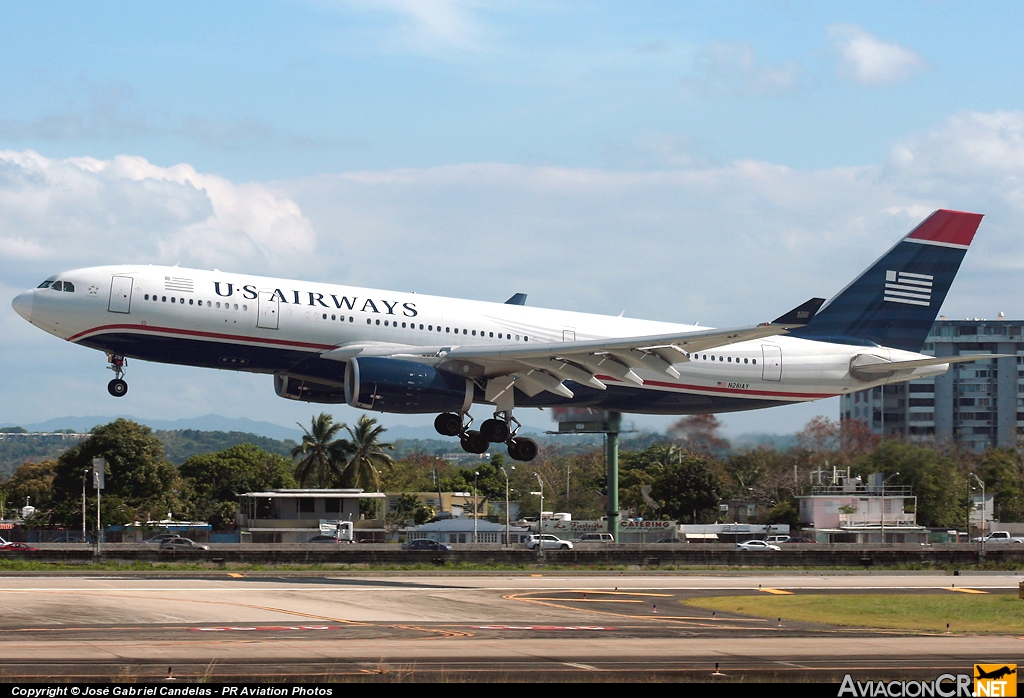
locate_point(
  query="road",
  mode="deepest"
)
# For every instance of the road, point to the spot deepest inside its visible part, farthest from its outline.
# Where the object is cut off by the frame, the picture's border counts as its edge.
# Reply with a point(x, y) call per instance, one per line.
point(629, 626)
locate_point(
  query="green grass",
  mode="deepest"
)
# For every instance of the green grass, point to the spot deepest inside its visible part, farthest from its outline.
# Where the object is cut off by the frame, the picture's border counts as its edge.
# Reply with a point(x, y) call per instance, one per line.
point(965, 613)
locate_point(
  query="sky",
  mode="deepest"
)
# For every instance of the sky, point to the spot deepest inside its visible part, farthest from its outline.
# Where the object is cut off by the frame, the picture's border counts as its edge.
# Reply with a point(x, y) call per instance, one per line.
point(680, 161)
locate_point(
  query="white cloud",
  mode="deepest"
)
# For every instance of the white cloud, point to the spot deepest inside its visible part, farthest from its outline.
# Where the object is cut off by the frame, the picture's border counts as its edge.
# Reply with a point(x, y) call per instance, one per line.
point(733, 68)
point(82, 211)
point(867, 60)
point(432, 25)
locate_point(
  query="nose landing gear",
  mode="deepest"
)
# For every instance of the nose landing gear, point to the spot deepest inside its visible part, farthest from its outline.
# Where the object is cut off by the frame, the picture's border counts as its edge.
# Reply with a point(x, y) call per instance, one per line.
point(117, 387)
point(496, 430)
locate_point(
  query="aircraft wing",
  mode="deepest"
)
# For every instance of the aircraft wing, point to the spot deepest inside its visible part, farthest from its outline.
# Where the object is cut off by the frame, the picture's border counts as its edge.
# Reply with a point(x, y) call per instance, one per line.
point(534, 368)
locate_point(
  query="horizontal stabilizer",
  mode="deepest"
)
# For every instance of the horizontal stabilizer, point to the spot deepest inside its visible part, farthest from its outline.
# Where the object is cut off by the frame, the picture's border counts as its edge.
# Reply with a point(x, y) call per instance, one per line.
point(883, 368)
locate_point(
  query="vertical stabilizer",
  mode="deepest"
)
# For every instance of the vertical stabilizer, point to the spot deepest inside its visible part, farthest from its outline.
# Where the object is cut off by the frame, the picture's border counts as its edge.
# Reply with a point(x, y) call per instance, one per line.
point(895, 301)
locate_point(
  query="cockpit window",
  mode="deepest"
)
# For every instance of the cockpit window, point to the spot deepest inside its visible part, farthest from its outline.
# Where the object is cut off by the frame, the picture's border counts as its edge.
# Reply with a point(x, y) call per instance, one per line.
point(57, 285)
point(68, 286)
point(46, 284)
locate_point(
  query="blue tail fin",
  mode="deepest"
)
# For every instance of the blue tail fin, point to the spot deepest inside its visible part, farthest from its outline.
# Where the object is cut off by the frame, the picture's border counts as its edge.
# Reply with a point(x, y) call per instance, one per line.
point(895, 301)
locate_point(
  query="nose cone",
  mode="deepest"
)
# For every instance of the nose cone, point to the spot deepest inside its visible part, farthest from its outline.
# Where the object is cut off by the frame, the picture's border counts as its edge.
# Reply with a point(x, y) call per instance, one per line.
point(23, 305)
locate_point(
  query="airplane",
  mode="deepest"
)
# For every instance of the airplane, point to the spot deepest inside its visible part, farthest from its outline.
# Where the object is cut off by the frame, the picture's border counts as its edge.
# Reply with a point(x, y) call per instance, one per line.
point(410, 353)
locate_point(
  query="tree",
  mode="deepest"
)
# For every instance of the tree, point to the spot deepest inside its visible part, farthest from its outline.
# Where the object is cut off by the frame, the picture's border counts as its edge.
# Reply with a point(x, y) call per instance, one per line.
point(321, 453)
point(365, 455)
point(140, 484)
point(33, 481)
point(683, 483)
point(215, 480)
point(700, 432)
point(940, 486)
point(688, 489)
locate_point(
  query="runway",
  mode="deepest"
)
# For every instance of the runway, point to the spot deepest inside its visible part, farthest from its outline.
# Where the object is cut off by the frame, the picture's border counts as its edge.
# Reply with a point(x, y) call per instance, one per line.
point(263, 626)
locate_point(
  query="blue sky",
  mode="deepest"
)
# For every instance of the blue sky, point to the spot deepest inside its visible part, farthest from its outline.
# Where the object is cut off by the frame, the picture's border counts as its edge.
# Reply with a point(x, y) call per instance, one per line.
point(713, 162)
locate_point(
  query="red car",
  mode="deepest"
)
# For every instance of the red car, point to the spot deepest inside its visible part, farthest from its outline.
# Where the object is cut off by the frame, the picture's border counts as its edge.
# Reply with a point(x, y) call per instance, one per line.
point(6, 547)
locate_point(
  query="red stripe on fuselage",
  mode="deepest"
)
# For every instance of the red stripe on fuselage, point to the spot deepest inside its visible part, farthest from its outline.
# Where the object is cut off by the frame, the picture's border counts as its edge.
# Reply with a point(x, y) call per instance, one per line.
point(103, 329)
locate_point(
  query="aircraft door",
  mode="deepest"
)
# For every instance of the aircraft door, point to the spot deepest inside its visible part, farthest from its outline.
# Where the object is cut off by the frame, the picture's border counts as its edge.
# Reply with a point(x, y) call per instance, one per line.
point(120, 294)
point(771, 356)
point(269, 307)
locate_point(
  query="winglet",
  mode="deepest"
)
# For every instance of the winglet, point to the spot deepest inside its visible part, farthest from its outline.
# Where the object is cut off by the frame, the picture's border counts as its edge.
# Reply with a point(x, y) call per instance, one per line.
point(517, 299)
point(800, 315)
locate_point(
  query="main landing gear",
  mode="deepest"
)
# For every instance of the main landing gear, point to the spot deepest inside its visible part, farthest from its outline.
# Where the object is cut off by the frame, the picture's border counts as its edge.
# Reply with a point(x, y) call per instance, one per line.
point(117, 387)
point(496, 430)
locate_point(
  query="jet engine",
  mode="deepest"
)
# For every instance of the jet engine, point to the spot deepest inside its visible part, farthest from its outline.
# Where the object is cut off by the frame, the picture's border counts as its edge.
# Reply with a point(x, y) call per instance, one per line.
point(393, 385)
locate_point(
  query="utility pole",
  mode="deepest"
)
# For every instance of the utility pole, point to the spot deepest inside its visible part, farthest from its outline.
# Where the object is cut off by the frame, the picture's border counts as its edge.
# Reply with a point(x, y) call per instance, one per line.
point(85, 475)
point(507, 527)
point(612, 472)
point(98, 478)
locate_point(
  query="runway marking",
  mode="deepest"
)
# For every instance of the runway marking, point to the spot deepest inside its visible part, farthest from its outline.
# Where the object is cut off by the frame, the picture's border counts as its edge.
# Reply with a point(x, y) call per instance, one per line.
point(965, 590)
point(781, 592)
point(585, 667)
point(236, 575)
point(541, 627)
point(544, 598)
point(620, 593)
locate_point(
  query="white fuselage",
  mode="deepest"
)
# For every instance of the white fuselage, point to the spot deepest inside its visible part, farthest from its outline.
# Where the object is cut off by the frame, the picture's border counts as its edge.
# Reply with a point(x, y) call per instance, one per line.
point(200, 317)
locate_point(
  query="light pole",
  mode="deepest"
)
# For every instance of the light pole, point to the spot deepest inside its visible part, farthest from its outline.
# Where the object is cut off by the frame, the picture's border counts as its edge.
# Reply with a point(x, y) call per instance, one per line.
point(506, 501)
point(85, 475)
point(982, 523)
point(476, 473)
point(883, 504)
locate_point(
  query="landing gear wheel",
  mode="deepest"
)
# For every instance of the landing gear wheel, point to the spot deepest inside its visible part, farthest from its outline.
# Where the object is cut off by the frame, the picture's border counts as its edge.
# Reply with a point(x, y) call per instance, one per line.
point(474, 442)
point(448, 424)
point(495, 430)
point(117, 387)
point(522, 449)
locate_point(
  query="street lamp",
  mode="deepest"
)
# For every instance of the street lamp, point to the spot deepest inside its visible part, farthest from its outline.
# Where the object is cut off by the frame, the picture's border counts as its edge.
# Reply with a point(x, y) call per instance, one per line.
point(476, 473)
point(540, 517)
point(883, 504)
point(982, 523)
point(506, 501)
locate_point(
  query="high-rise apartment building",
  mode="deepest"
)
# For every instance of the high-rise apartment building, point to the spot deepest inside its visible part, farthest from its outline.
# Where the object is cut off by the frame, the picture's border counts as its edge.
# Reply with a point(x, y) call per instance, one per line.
point(977, 405)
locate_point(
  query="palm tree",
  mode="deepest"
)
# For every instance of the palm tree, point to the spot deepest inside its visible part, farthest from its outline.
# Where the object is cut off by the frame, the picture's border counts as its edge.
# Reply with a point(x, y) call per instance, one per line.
point(321, 453)
point(366, 454)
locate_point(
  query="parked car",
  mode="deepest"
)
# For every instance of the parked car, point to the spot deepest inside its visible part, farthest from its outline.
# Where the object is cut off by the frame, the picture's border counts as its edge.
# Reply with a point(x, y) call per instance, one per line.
point(596, 538)
point(999, 537)
point(547, 541)
point(776, 540)
point(160, 538)
point(425, 544)
point(670, 540)
point(68, 537)
point(756, 545)
point(182, 544)
point(801, 540)
point(17, 547)
point(321, 538)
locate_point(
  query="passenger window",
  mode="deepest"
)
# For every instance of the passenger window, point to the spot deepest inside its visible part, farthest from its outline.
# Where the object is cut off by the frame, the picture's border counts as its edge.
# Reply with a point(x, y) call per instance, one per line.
point(236, 308)
point(369, 321)
point(324, 315)
point(172, 299)
point(191, 301)
point(147, 296)
point(474, 333)
point(332, 317)
point(378, 322)
point(218, 302)
point(430, 327)
point(491, 334)
point(403, 325)
point(753, 361)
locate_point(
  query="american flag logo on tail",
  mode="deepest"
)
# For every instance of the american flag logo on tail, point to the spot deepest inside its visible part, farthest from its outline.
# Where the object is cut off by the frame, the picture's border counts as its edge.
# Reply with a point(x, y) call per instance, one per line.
point(907, 287)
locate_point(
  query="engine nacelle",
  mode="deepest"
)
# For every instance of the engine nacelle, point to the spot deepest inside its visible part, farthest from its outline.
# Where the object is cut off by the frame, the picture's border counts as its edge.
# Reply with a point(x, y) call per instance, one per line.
point(307, 391)
point(393, 385)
